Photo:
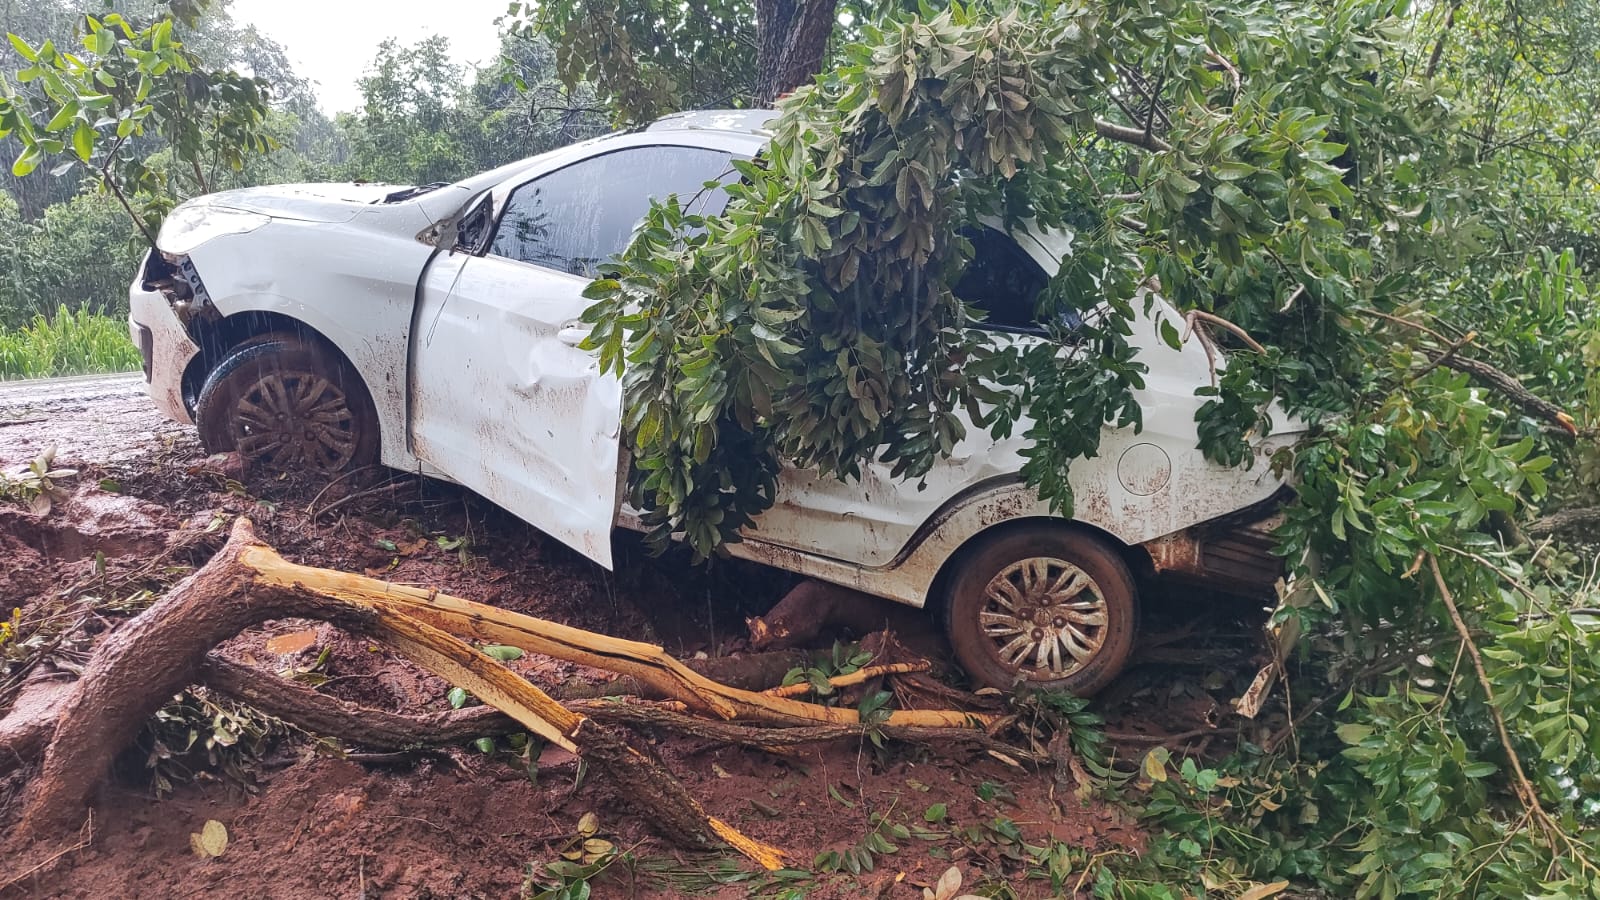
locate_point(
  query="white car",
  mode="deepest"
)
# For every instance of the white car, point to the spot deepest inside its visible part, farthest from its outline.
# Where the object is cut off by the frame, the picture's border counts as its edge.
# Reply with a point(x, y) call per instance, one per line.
point(436, 329)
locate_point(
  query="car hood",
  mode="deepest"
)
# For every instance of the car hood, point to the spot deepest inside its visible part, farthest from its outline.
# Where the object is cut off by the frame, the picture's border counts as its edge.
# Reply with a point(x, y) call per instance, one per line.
point(304, 202)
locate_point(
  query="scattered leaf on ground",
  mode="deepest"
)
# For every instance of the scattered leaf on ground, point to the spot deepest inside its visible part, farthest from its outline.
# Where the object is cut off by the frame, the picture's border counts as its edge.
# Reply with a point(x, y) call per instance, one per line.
point(211, 841)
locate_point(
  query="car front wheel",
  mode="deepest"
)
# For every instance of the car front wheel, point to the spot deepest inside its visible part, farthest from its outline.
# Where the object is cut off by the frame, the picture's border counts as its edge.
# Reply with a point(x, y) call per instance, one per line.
point(1044, 606)
point(288, 404)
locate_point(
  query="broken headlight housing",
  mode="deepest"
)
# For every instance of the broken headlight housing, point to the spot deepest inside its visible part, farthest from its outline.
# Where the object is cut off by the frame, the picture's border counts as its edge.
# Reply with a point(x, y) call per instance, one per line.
point(190, 226)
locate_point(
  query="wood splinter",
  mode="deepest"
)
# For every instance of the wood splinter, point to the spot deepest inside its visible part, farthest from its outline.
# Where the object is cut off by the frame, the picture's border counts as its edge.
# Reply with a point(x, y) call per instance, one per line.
point(164, 649)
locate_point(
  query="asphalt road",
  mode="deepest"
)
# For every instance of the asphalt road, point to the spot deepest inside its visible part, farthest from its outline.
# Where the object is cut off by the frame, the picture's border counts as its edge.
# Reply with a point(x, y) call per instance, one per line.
point(88, 419)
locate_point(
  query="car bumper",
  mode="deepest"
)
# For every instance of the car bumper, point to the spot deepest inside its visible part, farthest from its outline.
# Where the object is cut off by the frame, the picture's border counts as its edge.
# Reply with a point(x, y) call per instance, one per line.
point(165, 346)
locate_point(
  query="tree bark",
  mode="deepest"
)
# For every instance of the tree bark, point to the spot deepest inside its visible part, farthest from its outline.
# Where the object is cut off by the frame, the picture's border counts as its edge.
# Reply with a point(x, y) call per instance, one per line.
point(792, 36)
point(168, 646)
point(138, 668)
point(163, 649)
point(1578, 519)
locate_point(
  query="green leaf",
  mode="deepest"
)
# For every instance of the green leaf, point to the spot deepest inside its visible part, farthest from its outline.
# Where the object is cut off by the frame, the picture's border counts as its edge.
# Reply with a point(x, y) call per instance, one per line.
point(1352, 733)
point(23, 48)
point(28, 161)
point(503, 652)
point(83, 141)
point(1169, 334)
point(457, 698)
point(63, 116)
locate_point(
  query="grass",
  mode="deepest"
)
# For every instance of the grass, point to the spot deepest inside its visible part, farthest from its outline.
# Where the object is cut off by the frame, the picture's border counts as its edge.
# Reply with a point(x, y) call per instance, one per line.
point(68, 343)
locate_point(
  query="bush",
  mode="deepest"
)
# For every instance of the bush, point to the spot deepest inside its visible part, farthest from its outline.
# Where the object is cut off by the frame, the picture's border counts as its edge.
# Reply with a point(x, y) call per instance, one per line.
point(70, 343)
point(77, 254)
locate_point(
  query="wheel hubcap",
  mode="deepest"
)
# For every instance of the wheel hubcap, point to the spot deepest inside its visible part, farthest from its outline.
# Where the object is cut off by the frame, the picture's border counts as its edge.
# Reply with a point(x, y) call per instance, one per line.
point(1046, 617)
point(296, 420)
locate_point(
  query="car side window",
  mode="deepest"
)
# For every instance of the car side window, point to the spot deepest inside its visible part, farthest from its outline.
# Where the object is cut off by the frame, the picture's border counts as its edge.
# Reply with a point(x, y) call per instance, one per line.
point(1004, 282)
point(575, 218)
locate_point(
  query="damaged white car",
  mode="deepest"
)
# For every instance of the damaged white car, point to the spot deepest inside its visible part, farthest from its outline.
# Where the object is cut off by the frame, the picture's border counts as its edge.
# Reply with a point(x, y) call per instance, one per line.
point(436, 329)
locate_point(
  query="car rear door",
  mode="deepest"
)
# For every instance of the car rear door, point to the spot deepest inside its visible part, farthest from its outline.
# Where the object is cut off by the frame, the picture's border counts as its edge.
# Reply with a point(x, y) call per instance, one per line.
point(872, 520)
point(502, 398)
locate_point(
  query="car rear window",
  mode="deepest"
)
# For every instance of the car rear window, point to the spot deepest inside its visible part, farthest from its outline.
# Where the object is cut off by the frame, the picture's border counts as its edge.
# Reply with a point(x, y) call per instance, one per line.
point(575, 218)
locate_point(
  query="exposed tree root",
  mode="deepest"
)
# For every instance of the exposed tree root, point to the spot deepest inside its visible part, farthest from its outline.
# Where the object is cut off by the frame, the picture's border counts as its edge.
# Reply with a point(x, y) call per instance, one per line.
point(161, 651)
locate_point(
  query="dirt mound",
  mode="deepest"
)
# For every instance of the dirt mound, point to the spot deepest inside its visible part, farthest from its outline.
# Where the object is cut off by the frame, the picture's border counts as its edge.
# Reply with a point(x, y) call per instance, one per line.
point(90, 521)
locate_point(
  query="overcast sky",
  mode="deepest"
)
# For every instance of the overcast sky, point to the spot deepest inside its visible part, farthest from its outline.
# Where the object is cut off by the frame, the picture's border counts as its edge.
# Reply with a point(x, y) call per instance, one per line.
point(331, 41)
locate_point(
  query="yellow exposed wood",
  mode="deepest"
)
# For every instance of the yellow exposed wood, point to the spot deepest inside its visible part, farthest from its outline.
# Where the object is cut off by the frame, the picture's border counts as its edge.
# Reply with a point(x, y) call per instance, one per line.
point(646, 662)
point(764, 855)
point(457, 662)
point(848, 679)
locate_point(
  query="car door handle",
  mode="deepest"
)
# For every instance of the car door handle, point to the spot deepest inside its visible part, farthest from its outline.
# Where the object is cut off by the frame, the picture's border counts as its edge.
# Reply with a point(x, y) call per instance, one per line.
point(573, 335)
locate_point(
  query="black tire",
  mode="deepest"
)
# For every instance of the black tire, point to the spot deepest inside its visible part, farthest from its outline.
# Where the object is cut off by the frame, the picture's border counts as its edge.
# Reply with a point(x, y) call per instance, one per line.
point(290, 404)
point(997, 627)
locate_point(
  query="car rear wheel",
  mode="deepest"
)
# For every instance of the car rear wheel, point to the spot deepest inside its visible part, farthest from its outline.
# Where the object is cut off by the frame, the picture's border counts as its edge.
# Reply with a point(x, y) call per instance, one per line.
point(1044, 606)
point(290, 404)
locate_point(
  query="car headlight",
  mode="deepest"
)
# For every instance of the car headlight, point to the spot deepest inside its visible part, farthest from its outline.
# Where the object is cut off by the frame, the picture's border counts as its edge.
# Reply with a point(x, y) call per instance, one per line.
point(190, 226)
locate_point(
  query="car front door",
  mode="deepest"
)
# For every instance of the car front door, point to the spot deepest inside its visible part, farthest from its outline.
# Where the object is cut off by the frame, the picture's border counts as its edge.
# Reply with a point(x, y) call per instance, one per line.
point(502, 398)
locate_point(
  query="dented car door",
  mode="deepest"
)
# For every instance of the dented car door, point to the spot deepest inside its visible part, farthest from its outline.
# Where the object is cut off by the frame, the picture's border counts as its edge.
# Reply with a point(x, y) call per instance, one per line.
point(503, 399)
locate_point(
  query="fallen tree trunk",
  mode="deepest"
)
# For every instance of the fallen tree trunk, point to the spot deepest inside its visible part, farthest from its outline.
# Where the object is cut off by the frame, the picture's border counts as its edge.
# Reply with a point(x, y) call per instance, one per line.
point(168, 647)
point(163, 649)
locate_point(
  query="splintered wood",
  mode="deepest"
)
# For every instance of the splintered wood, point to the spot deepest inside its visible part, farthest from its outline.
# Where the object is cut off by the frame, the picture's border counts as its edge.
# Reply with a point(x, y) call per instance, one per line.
point(248, 582)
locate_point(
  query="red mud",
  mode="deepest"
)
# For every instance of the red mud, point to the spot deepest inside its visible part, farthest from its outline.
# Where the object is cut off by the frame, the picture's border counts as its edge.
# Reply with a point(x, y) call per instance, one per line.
point(457, 823)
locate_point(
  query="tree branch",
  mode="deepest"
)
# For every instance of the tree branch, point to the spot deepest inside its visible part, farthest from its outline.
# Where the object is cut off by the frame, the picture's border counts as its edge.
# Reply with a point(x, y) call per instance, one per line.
point(1129, 135)
point(1582, 518)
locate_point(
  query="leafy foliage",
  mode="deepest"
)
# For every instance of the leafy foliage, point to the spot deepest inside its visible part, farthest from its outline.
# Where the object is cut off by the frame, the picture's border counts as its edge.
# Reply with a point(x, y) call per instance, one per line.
point(39, 487)
point(1326, 180)
point(68, 343)
point(130, 79)
point(812, 322)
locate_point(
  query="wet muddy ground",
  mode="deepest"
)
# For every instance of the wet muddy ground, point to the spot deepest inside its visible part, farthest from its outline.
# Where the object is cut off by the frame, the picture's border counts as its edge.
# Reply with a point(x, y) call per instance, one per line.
point(305, 820)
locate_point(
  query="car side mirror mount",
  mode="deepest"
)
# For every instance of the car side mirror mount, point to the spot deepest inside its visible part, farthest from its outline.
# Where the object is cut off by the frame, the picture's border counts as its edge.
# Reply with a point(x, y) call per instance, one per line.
point(472, 229)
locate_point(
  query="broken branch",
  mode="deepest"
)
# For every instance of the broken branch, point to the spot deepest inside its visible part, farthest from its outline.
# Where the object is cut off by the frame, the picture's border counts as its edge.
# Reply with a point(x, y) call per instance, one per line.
point(247, 582)
point(160, 651)
point(848, 679)
point(1200, 315)
point(1130, 135)
point(646, 662)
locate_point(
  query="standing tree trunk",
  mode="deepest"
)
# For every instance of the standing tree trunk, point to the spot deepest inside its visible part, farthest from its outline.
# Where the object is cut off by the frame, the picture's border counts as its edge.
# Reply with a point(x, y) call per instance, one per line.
point(792, 36)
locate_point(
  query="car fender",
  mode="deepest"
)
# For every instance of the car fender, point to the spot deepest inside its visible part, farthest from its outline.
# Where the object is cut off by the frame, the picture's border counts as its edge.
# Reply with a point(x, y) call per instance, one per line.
point(354, 286)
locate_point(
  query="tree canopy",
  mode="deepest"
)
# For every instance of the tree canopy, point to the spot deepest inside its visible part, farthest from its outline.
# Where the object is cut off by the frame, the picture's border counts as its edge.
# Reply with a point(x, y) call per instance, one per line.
point(1383, 212)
